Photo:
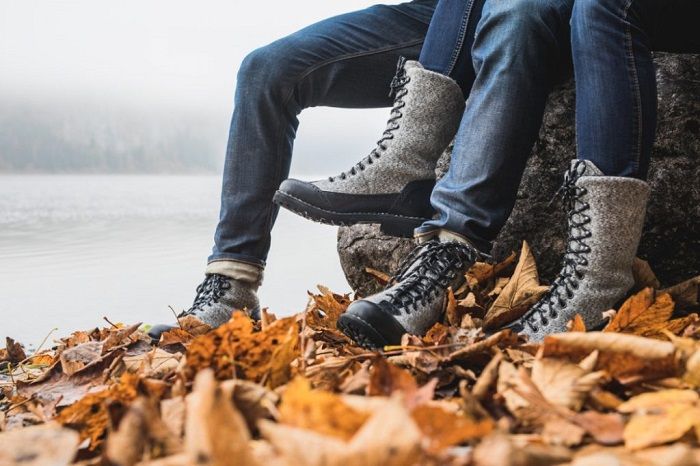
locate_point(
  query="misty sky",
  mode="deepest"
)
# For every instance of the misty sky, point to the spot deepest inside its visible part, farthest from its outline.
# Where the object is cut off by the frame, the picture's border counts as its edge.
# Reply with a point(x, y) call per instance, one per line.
point(154, 55)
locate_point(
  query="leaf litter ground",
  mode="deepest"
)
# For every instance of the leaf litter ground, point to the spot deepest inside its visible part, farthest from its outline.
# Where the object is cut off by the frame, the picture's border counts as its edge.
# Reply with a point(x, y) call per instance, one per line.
point(296, 391)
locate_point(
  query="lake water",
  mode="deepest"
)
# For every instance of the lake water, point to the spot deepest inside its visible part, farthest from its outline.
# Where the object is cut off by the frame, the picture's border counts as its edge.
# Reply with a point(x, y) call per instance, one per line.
point(75, 248)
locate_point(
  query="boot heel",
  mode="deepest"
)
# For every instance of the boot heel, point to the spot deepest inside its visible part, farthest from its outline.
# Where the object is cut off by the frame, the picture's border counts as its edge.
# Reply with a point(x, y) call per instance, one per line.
point(402, 229)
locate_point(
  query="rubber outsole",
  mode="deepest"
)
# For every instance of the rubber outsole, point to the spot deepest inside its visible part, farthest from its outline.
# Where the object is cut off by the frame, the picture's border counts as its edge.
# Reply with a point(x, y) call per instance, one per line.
point(361, 332)
point(390, 224)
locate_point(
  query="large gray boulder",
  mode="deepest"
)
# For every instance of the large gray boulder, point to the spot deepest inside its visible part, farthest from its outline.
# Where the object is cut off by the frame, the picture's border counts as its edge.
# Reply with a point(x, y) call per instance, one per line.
point(671, 240)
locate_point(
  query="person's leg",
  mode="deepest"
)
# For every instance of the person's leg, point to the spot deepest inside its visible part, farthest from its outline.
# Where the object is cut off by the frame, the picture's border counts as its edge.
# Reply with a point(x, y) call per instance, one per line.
point(391, 186)
point(521, 49)
point(612, 41)
point(449, 41)
point(346, 61)
point(605, 194)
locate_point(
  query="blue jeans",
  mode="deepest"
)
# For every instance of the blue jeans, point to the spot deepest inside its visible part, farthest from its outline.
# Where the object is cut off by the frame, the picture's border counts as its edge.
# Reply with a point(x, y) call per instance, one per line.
point(346, 61)
point(520, 50)
point(612, 41)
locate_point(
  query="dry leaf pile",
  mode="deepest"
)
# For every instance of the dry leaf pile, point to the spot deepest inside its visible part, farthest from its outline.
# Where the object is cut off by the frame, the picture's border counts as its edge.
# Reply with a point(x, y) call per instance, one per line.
point(296, 391)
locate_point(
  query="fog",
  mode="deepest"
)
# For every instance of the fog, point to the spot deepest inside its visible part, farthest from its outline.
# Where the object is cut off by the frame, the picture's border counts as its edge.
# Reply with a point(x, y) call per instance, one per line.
point(136, 85)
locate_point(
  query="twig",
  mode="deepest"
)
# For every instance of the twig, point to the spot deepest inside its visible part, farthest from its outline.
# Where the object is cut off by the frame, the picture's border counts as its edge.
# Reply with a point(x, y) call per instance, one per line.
point(177, 319)
point(110, 322)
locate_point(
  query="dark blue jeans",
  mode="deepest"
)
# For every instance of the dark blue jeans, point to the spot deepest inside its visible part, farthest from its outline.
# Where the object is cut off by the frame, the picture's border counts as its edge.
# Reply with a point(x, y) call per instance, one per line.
point(612, 41)
point(346, 61)
point(505, 54)
point(520, 49)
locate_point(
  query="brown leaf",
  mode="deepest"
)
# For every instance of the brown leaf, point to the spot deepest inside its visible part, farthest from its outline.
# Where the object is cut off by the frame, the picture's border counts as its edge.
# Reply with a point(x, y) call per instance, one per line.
point(564, 383)
point(621, 355)
point(522, 291)
point(381, 277)
point(657, 428)
point(38, 446)
point(641, 312)
point(320, 411)
point(577, 324)
point(215, 432)
point(643, 275)
point(326, 308)
point(483, 272)
point(235, 350)
point(13, 352)
point(444, 429)
point(176, 336)
point(90, 415)
point(386, 378)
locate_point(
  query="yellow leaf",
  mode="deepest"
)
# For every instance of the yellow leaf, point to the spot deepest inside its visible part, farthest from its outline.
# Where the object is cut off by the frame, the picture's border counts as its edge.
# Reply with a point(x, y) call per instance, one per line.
point(642, 311)
point(320, 411)
point(672, 423)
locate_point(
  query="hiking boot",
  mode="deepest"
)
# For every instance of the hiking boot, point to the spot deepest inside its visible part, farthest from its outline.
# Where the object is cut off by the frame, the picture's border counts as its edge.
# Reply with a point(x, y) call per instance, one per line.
point(605, 218)
point(414, 299)
point(217, 297)
point(392, 185)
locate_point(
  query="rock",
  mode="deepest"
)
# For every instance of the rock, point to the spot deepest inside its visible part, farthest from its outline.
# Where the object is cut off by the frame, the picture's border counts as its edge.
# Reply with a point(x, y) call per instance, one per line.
point(671, 240)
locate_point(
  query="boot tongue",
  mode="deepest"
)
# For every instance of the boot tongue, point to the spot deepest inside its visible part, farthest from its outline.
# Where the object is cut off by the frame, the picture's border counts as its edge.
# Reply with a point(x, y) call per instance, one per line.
point(591, 169)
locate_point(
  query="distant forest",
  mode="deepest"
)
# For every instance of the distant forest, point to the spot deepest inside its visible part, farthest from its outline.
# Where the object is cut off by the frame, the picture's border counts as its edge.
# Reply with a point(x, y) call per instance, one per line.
point(62, 137)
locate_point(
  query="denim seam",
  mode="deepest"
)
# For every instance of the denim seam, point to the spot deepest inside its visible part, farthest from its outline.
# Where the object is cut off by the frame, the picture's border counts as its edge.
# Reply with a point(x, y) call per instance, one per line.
point(460, 40)
point(632, 68)
point(306, 73)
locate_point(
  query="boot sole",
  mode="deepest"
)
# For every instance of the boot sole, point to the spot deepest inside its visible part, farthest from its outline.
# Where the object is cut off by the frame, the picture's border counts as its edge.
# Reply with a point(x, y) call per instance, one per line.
point(370, 328)
point(389, 224)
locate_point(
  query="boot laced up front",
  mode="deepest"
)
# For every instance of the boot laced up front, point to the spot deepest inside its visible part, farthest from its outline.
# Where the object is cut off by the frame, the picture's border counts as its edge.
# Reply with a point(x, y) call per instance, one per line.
point(605, 218)
point(415, 298)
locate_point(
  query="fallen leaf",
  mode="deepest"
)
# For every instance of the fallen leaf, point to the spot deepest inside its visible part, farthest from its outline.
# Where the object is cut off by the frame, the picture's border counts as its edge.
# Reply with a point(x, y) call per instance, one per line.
point(386, 378)
point(621, 355)
point(444, 429)
point(564, 383)
point(318, 410)
point(522, 291)
point(43, 445)
point(577, 324)
point(644, 277)
point(215, 432)
point(642, 311)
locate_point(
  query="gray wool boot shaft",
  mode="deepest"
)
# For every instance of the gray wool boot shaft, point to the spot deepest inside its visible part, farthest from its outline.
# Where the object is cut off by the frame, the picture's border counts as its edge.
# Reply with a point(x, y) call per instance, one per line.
point(425, 118)
point(392, 185)
point(605, 219)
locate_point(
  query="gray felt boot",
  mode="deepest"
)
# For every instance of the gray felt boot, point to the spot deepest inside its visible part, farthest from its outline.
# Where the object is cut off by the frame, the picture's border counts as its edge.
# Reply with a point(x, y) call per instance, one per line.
point(392, 185)
point(415, 298)
point(217, 297)
point(606, 216)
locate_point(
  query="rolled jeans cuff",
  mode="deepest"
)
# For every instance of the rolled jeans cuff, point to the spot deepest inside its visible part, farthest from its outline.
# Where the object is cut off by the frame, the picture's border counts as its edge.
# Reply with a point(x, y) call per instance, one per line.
point(237, 270)
point(428, 232)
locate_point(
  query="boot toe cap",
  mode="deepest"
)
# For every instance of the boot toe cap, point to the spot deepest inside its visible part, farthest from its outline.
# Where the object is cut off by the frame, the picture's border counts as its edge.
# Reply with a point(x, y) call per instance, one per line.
point(156, 331)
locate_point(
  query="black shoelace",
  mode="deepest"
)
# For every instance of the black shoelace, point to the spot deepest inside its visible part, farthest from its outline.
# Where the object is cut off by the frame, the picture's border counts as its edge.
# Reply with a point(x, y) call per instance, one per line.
point(209, 291)
point(429, 269)
point(567, 281)
point(398, 91)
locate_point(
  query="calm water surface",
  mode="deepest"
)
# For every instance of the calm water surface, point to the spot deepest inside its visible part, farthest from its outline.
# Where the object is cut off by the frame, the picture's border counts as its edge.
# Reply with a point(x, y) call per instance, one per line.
point(75, 248)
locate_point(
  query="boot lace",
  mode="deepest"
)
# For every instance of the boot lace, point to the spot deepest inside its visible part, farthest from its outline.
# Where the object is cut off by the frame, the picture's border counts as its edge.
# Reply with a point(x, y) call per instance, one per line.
point(575, 258)
point(209, 291)
point(429, 269)
point(398, 91)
